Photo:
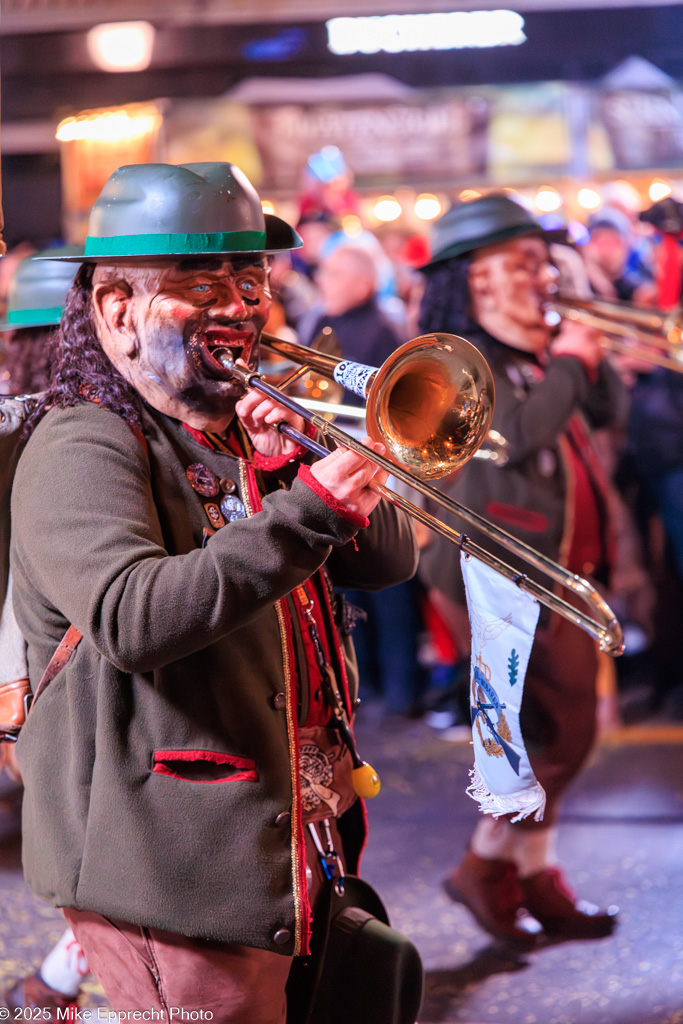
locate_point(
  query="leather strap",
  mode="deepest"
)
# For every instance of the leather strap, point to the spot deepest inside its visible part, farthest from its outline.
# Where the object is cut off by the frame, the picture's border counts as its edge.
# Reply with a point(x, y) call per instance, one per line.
point(67, 646)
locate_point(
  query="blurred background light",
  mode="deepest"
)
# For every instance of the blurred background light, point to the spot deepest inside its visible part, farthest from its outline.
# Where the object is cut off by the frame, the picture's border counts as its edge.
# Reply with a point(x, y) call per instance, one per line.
point(548, 199)
point(427, 206)
point(121, 46)
point(578, 232)
point(351, 225)
point(267, 206)
point(588, 198)
point(111, 126)
point(387, 208)
point(551, 221)
point(659, 190)
point(468, 194)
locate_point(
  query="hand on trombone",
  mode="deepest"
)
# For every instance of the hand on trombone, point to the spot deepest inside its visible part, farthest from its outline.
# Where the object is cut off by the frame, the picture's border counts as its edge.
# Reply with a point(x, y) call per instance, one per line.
point(582, 342)
point(344, 473)
point(348, 476)
point(259, 415)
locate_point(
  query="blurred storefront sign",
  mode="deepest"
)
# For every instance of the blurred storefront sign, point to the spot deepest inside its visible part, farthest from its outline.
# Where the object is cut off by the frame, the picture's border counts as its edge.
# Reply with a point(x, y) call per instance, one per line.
point(429, 140)
point(389, 134)
point(92, 145)
point(645, 129)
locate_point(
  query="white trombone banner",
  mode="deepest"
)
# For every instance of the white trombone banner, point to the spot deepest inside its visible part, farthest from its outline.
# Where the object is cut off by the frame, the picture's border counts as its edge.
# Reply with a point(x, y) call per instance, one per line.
point(503, 621)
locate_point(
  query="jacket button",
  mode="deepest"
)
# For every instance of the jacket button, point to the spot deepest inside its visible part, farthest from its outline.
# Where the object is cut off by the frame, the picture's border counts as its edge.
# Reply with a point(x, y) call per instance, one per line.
point(280, 701)
point(282, 936)
point(227, 485)
point(283, 818)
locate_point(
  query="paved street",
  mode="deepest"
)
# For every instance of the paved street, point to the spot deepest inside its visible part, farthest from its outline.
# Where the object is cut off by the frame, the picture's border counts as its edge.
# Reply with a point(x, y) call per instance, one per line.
point(621, 842)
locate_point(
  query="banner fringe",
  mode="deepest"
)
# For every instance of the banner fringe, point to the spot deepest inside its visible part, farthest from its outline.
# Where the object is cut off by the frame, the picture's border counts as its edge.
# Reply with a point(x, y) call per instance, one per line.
point(521, 804)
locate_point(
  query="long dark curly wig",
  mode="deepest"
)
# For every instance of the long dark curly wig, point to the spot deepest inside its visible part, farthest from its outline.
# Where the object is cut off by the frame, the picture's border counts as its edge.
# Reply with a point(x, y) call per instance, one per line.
point(446, 299)
point(80, 369)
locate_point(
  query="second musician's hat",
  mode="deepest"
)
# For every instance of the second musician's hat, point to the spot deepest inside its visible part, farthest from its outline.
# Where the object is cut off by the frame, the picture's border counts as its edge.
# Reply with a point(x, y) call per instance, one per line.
point(37, 291)
point(157, 211)
point(485, 221)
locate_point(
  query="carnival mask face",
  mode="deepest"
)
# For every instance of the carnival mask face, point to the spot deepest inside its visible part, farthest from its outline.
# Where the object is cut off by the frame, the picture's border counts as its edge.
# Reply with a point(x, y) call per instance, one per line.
point(510, 284)
point(160, 325)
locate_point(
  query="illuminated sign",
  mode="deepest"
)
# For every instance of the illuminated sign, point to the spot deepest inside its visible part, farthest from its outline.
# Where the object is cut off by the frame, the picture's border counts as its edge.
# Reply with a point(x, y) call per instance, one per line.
point(401, 33)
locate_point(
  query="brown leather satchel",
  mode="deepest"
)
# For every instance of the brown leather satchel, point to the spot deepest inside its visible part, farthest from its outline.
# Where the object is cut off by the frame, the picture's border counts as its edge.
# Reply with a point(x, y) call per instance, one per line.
point(16, 699)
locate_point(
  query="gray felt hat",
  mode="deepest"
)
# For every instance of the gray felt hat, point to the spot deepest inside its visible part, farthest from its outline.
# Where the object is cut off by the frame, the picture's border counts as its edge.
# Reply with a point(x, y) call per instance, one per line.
point(37, 291)
point(485, 221)
point(151, 211)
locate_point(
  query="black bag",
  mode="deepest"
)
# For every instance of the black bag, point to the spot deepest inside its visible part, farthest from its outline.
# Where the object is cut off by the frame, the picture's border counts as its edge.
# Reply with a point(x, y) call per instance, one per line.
point(360, 970)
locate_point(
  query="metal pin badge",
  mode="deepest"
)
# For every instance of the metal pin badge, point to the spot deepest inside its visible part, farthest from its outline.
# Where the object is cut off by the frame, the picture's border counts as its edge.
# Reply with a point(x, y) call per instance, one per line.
point(232, 508)
point(202, 479)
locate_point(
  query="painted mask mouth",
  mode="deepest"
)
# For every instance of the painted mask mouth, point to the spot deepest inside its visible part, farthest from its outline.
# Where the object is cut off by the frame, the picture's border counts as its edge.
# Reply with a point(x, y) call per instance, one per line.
point(221, 347)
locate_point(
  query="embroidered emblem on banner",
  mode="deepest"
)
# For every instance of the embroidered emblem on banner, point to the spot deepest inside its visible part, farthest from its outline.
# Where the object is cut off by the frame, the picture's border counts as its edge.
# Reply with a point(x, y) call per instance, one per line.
point(503, 620)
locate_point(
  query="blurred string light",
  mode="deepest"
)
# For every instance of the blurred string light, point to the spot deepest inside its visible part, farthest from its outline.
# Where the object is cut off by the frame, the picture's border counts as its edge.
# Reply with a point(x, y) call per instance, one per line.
point(588, 198)
point(427, 206)
point(551, 221)
point(351, 225)
point(659, 190)
point(387, 208)
point(267, 206)
point(578, 232)
point(110, 126)
point(468, 194)
point(400, 33)
point(121, 46)
point(548, 199)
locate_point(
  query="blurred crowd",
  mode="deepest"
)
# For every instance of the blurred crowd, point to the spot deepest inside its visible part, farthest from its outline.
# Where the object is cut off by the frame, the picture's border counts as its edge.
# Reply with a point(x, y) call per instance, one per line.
point(357, 291)
point(368, 287)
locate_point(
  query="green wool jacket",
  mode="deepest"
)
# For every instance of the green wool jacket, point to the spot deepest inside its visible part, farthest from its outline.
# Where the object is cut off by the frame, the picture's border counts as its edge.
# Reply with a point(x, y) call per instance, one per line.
point(187, 660)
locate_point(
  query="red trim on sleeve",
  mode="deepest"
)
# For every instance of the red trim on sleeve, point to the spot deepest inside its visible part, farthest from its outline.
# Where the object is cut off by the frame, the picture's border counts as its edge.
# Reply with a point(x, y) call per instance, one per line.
point(305, 475)
point(270, 464)
point(248, 771)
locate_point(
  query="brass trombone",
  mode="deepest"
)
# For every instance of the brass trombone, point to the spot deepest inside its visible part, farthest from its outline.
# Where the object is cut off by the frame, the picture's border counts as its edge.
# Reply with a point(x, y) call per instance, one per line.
point(640, 333)
point(431, 405)
point(496, 445)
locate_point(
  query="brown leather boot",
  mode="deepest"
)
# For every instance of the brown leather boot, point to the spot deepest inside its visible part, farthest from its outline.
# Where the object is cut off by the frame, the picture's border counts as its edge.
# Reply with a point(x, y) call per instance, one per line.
point(490, 890)
point(547, 896)
point(33, 993)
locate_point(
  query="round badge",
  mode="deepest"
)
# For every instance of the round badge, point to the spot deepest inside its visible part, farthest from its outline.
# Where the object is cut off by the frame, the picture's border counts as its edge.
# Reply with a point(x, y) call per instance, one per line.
point(202, 479)
point(228, 486)
point(232, 508)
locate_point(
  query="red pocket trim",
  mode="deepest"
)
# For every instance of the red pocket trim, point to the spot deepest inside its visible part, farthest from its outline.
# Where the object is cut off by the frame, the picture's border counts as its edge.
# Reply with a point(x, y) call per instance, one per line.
point(248, 773)
point(536, 522)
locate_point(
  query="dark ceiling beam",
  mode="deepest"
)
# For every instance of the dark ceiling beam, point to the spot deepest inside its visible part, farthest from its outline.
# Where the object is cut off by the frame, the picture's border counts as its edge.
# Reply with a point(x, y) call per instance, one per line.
point(32, 16)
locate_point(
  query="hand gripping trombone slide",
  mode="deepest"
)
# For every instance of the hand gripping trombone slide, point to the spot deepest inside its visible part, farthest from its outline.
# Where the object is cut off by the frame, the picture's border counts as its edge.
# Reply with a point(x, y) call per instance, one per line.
point(431, 404)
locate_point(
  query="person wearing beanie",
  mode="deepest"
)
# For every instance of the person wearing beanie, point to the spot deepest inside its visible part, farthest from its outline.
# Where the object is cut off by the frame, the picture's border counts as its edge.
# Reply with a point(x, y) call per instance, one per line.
point(489, 279)
point(180, 558)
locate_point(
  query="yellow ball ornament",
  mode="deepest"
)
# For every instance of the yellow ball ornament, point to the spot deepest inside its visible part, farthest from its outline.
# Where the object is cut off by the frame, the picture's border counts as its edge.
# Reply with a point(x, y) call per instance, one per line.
point(365, 781)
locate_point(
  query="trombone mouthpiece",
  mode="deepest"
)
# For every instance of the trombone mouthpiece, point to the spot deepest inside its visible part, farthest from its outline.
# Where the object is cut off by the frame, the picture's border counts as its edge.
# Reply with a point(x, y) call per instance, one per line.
point(224, 357)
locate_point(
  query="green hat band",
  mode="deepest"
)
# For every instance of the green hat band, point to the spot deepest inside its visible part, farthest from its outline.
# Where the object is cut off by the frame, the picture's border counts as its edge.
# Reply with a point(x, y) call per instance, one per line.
point(31, 316)
point(169, 244)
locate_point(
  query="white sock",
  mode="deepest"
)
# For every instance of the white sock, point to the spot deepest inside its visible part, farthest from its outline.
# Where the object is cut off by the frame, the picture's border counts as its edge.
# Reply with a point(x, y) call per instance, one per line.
point(535, 851)
point(493, 839)
point(531, 851)
point(65, 967)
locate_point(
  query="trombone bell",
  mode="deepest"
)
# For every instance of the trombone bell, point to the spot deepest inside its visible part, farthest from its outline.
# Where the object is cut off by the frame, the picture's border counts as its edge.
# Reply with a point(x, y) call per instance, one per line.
point(431, 403)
